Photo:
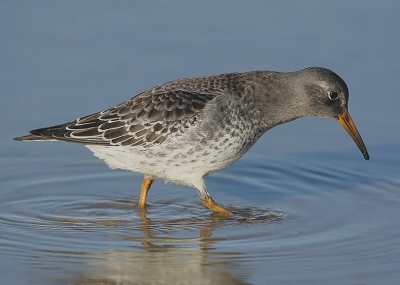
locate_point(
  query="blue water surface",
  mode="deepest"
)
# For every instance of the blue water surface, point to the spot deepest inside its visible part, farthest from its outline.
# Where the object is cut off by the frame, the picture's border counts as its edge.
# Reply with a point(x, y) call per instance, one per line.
point(310, 209)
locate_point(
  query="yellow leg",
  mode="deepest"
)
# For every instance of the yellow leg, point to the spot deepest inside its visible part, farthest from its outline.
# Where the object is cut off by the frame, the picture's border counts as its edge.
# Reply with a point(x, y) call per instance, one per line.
point(147, 180)
point(209, 203)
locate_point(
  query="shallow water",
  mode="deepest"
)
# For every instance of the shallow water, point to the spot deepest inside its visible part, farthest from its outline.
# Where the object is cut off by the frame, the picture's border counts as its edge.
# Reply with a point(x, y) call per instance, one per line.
point(321, 215)
point(309, 218)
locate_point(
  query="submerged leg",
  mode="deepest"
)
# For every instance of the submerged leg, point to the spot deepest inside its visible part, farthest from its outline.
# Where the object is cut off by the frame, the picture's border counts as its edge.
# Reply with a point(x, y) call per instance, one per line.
point(209, 203)
point(147, 180)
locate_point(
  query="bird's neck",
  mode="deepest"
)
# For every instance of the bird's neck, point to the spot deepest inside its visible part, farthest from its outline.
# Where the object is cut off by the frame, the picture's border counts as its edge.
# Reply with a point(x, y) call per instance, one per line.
point(276, 99)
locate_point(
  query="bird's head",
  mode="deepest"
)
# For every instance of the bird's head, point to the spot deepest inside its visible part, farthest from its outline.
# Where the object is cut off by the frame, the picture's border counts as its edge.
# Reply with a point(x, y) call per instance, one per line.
point(327, 96)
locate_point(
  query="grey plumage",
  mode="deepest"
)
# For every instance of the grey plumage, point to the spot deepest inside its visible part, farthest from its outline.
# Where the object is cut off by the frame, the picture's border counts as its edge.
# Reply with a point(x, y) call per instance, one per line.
point(185, 129)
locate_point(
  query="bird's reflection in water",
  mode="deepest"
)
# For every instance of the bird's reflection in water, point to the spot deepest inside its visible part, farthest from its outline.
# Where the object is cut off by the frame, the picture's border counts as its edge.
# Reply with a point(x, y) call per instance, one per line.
point(203, 241)
point(173, 260)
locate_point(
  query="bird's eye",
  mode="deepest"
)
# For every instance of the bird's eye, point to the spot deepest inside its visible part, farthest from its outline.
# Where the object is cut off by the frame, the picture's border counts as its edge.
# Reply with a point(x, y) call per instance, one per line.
point(333, 95)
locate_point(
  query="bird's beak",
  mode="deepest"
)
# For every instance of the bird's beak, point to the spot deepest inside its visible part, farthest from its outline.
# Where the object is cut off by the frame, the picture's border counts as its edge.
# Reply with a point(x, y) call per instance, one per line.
point(347, 123)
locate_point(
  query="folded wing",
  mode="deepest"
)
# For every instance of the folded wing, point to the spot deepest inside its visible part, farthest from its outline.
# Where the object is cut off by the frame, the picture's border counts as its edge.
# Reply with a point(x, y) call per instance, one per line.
point(144, 120)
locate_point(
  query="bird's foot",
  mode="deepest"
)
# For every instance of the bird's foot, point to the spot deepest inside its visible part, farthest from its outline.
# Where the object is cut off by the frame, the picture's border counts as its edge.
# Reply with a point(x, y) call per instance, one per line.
point(209, 203)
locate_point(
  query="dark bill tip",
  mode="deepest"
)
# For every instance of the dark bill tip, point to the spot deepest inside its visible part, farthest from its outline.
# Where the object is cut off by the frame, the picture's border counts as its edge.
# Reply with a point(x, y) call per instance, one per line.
point(347, 123)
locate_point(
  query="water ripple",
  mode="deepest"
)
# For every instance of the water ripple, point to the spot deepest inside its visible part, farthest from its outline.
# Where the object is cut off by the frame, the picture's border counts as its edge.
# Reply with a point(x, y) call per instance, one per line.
point(297, 213)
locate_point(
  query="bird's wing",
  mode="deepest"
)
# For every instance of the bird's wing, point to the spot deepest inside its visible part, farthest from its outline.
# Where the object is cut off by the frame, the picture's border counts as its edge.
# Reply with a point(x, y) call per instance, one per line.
point(144, 120)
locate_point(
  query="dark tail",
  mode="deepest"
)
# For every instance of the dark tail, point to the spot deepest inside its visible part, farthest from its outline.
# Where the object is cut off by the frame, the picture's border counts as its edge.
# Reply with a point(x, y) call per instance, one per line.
point(33, 138)
point(47, 134)
point(84, 130)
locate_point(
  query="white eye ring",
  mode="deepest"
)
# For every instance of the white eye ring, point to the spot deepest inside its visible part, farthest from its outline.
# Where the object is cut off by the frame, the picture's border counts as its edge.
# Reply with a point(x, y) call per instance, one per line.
point(333, 95)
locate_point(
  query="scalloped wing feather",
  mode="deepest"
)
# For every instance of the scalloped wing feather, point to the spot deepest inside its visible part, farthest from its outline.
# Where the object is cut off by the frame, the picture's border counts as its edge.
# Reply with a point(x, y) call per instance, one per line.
point(144, 120)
